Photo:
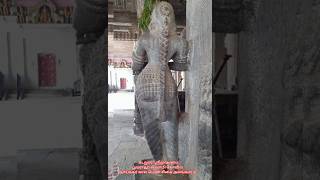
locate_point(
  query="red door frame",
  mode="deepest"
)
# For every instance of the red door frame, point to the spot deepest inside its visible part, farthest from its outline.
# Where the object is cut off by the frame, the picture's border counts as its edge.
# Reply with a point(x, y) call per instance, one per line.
point(47, 70)
point(123, 83)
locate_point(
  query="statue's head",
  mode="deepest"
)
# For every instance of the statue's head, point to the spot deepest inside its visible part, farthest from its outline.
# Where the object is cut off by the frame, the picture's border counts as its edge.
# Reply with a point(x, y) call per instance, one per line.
point(162, 15)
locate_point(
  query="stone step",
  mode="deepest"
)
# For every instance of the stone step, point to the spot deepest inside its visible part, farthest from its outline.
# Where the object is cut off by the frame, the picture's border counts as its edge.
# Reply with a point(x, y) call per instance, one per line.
point(40, 93)
point(47, 93)
point(48, 164)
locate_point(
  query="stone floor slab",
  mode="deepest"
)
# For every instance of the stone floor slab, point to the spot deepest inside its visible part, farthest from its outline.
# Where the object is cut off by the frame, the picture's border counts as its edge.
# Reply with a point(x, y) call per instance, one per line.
point(48, 164)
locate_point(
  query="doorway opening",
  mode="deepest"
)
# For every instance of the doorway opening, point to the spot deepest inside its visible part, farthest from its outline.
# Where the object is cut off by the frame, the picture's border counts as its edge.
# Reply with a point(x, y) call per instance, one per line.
point(47, 70)
point(226, 95)
point(123, 83)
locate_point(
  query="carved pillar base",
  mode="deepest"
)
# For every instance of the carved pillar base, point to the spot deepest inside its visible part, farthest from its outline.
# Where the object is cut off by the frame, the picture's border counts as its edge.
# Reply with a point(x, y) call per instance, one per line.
point(89, 164)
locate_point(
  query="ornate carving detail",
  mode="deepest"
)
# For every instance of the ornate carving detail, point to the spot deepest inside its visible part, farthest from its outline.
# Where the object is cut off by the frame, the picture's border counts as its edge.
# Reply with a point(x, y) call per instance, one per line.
point(50, 11)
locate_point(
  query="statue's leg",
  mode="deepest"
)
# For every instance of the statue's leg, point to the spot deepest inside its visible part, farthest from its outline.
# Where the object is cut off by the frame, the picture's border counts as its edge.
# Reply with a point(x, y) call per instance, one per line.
point(170, 124)
point(162, 137)
point(151, 124)
point(170, 131)
point(138, 127)
point(94, 72)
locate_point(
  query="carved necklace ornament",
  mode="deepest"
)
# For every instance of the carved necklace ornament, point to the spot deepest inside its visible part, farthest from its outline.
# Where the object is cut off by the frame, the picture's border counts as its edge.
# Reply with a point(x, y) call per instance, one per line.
point(156, 90)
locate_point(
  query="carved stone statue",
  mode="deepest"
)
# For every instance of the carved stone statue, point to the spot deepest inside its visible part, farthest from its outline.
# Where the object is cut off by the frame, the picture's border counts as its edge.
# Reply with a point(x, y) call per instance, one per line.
point(67, 13)
point(44, 14)
point(156, 90)
point(6, 8)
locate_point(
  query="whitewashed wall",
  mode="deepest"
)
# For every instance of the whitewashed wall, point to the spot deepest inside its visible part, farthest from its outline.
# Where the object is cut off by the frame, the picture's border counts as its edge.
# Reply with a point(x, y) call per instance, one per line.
point(39, 123)
point(58, 39)
point(115, 74)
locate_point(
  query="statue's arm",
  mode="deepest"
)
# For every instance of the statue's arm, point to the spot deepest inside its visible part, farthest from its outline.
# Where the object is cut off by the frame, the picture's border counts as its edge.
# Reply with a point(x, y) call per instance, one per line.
point(138, 57)
point(180, 59)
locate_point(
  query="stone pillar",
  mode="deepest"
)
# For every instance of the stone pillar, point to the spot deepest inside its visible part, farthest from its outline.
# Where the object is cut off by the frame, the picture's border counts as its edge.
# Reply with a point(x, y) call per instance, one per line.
point(4, 54)
point(260, 91)
point(92, 61)
point(138, 127)
point(195, 149)
point(10, 76)
point(26, 79)
point(94, 111)
point(300, 81)
point(278, 88)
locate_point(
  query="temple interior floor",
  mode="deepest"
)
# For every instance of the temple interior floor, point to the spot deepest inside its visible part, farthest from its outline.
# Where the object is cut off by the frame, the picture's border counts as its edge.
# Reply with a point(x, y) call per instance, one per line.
point(41, 138)
point(39, 123)
point(124, 148)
